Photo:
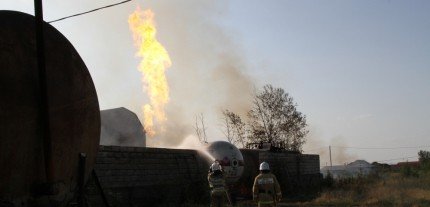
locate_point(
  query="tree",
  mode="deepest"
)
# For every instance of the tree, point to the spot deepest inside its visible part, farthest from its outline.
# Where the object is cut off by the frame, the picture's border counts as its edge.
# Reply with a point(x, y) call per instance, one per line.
point(424, 156)
point(201, 129)
point(273, 118)
point(235, 128)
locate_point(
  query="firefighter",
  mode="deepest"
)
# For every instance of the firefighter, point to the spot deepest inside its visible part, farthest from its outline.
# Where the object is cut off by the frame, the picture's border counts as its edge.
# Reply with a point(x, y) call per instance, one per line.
point(219, 194)
point(266, 189)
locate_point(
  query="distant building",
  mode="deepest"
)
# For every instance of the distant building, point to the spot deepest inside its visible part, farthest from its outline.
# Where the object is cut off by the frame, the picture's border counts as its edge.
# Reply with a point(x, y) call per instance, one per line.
point(349, 170)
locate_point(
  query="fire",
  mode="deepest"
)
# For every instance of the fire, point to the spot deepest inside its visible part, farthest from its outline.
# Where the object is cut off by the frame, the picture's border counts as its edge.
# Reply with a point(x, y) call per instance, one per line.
point(155, 61)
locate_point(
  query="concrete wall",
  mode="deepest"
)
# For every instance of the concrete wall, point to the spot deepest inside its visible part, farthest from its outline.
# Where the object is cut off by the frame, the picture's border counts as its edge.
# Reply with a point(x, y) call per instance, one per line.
point(298, 174)
point(132, 176)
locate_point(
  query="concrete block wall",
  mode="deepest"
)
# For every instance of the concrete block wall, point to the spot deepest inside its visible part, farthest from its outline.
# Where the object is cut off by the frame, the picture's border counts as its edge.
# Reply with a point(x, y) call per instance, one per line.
point(298, 174)
point(292, 163)
point(136, 176)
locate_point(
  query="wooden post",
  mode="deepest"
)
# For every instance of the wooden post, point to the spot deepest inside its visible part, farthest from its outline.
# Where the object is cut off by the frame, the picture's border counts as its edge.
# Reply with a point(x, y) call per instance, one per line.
point(331, 164)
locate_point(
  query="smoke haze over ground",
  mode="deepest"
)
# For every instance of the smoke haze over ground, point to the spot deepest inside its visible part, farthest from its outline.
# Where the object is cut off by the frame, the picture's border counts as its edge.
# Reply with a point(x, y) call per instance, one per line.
point(374, 95)
point(340, 155)
point(208, 73)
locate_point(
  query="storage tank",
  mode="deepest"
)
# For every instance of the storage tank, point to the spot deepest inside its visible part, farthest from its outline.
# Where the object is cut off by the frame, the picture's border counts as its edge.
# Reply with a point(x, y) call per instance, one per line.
point(230, 158)
point(73, 110)
point(121, 127)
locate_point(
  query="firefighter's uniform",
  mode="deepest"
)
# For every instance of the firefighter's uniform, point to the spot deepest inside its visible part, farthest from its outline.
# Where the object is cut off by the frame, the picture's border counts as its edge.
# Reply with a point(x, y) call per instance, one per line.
point(219, 194)
point(266, 189)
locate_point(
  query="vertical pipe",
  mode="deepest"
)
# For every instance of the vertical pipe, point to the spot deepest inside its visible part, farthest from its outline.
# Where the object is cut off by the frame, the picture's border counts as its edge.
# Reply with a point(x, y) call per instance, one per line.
point(331, 164)
point(43, 100)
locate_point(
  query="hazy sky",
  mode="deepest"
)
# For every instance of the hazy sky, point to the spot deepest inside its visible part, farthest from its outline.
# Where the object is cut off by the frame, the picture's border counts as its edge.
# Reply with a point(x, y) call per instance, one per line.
point(359, 70)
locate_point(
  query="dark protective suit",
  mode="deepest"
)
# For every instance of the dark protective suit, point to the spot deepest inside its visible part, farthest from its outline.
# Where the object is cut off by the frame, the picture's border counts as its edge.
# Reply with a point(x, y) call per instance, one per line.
point(266, 190)
point(219, 194)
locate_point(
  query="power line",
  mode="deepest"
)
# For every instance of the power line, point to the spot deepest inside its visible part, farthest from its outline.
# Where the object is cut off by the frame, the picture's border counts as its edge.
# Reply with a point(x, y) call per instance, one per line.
point(104, 7)
point(400, 158)
point(382, 148)
point(370, 148)
point(375, 148)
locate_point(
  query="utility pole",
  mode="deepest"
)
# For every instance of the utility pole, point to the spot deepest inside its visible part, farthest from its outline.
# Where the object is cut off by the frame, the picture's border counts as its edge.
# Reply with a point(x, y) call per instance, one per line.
point(331, 164)
point(43, 99)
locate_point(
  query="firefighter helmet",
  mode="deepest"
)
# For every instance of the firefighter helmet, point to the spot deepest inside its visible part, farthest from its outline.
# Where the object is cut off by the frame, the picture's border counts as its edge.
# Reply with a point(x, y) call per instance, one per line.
point(215, 166)
point(264, 166)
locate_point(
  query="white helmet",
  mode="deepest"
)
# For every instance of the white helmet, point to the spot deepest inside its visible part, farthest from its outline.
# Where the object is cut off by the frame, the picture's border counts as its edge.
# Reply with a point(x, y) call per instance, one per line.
point(215, 166)
point(264, 166)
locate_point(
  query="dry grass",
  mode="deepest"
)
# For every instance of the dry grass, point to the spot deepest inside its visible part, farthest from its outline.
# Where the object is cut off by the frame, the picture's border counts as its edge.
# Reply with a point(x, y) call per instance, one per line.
point(391, 189)
point(385, 189)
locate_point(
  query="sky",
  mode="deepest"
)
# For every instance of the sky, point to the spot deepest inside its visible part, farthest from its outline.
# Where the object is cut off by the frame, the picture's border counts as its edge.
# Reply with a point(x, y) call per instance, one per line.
point(359, 70)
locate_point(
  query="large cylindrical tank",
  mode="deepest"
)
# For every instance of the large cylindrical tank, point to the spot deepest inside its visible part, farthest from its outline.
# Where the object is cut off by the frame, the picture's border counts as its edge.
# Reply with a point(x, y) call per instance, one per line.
point(73, 110)
point(230, 158)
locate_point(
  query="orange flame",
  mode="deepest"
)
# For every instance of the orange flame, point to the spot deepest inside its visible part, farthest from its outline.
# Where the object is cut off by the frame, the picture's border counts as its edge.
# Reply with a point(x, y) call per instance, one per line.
point(155, 60)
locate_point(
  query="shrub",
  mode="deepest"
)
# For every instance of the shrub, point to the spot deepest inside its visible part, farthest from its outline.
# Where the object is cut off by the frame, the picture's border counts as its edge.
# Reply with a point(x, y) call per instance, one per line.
point(408, 171)
point(328, 180)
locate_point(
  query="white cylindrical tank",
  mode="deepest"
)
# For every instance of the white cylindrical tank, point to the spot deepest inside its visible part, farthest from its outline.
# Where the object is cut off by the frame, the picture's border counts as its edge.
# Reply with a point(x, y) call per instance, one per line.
point(230, 158)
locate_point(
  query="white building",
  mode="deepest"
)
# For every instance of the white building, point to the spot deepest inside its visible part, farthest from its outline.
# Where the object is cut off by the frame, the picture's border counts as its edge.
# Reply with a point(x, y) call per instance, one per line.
point(349, 170)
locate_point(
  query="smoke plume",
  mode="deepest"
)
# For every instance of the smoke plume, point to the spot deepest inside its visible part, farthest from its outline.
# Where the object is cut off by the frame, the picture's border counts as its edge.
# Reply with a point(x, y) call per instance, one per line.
point(316, 145)
point(341, 155)
point(208, 71)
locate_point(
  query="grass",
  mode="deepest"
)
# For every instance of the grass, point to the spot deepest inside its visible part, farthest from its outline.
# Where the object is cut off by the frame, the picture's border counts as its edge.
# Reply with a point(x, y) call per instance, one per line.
point(383, 189)
point(403, 188)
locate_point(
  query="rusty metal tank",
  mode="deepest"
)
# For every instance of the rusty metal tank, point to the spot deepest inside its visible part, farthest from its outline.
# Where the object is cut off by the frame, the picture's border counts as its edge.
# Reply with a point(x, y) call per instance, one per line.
point(73, 113)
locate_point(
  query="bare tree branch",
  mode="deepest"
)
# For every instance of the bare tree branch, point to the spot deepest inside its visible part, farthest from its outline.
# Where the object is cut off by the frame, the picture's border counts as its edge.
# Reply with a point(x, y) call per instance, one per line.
point(200, 128)
point(235, 128)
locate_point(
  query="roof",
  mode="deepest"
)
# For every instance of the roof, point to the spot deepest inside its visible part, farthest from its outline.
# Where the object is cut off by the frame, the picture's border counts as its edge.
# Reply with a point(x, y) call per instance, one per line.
point(358, 166)
point(360, 163)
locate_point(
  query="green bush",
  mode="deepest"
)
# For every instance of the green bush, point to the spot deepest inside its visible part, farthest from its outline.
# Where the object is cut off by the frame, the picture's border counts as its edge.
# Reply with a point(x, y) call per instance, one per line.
point(424, 158)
